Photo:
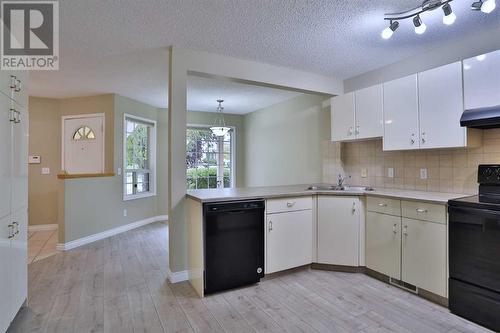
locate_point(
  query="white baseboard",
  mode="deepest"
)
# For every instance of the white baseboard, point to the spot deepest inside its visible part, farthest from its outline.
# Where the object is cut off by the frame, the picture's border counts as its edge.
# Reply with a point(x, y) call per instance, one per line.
point(175, 277)
point(108, 233)
point(42, 227)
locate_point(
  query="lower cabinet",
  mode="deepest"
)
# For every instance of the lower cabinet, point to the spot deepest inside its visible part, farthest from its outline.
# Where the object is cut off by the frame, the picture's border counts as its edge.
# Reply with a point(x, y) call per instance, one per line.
point(289, 240)
point(338, 230)
point(5, 275)
point(383, 244)
point(424, 255)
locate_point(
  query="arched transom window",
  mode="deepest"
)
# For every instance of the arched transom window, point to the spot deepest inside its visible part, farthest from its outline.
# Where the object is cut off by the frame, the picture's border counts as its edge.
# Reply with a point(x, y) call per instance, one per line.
point(84, 133)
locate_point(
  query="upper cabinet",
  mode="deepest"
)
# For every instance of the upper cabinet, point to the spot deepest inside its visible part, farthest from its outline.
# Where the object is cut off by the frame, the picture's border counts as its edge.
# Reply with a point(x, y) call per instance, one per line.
point(401, 114)
point(358, 115)
point(369, 112)
point(482, 80)
point(343, 118)
point(441, 106)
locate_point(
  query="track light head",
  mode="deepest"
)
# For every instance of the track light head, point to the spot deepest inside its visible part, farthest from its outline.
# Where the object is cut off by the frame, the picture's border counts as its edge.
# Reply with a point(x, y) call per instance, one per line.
point(449, 17)
point(420, 26)
point(387, 32)
point(486, 6)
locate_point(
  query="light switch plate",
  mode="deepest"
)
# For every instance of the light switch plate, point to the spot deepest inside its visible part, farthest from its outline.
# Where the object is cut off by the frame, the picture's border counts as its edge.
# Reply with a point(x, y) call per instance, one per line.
point(423, 173)
point(390, 172)
point(364, 173)
point(45, 171)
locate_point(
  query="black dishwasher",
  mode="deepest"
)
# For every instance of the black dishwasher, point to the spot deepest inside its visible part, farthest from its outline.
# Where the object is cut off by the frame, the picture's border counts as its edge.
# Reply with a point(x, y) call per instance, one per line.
point(234, 244)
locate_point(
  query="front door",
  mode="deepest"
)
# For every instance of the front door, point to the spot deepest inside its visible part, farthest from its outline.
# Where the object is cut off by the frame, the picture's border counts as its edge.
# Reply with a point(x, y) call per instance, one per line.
point(83, 144)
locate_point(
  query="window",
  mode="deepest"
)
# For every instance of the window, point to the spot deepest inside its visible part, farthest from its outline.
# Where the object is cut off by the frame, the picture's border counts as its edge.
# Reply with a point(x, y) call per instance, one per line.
point(209, 159)
point(139, 157)
point(84, 133)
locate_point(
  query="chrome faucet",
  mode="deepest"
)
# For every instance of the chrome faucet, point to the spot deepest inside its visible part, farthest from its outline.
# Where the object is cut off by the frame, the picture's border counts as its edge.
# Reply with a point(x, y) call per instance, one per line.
point(340, 181)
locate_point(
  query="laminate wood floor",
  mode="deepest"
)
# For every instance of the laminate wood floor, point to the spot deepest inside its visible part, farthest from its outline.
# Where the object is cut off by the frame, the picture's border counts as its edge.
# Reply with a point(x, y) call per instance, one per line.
point(119, 285)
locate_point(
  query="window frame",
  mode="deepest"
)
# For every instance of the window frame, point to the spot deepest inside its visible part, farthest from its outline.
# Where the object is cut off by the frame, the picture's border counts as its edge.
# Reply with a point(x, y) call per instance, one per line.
point(152, 157)
point(233, 149)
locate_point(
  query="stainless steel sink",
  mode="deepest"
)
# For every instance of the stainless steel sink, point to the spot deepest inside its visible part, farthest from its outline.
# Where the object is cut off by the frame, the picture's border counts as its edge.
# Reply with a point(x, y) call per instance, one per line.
point(339, 188)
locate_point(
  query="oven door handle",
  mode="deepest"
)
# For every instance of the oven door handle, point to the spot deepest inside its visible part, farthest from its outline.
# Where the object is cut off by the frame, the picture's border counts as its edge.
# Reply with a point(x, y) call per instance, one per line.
point(477, 212)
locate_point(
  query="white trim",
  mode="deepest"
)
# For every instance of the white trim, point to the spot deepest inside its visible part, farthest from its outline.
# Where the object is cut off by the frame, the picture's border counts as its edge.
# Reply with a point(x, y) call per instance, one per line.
point(103, 132)
point(152, 157)
point(42, 227)
point(108, 233)
point(174, 277)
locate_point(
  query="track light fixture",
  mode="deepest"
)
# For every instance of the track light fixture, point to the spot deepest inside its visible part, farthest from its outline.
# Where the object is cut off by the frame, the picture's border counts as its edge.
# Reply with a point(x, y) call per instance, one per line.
point(449, 17)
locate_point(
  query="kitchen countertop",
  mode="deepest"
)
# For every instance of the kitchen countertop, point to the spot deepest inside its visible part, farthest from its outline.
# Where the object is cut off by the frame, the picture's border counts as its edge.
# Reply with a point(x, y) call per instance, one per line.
point(245, 193)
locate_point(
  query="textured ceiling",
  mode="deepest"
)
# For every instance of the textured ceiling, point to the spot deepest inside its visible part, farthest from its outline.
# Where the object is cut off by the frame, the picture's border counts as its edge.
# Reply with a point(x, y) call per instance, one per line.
point(238, 98)
point(119, 45)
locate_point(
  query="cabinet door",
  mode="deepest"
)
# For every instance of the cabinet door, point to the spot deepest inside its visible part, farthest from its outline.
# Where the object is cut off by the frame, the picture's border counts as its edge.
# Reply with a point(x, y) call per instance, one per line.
point(5, 275)
point(424, 255)
point(369, 112)
point(338, 230)
point(383, 244)
point(5, 156)
point(441, 106)
point(19, 266)
point(482, 81)
point(401, 114)
point(20, 162)
point(289, 240)
point(342, 117)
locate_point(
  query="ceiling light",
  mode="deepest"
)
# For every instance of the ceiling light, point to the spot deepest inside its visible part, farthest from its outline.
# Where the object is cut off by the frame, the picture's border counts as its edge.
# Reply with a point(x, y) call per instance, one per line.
point(420, 26)
point(387, 32)
point(219, 128)
point(481, 57)
point(466, 67)
point(449, 16)
point(486, 6)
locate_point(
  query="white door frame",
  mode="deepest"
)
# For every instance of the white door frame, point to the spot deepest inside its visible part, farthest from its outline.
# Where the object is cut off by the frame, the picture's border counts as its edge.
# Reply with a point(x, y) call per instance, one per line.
point(82, 116)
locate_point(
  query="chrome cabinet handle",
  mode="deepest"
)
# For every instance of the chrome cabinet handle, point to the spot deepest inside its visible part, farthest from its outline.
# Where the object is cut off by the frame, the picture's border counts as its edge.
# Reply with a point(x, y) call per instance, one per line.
point(11, 231)
point(17, 117)
point(290, 204)
point(270, 225)
point(423, 137)
point(13, 81)
point(405, 232)
point(353, 207)
point(12, 117)
point(420, 210)
point(15, 224)
point(357, 130)
point(382, 205)
point(17, 87)
point(394, 228)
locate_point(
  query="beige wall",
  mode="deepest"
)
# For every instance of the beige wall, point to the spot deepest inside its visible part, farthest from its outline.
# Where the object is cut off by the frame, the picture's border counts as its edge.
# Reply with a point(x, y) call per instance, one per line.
point(283, 142)
point(449, 170)
point(233, 120)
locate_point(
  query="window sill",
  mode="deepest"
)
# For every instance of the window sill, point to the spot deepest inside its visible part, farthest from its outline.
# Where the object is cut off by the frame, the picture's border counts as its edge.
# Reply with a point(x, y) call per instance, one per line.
point(139, 196)
point(84, 175)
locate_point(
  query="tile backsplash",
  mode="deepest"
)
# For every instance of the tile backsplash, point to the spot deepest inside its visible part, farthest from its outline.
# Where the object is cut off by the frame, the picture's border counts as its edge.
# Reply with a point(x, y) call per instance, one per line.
point(448, 170)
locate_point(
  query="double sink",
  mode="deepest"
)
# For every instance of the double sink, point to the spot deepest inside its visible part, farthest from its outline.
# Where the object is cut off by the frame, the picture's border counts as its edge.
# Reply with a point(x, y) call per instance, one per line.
point(343, 188)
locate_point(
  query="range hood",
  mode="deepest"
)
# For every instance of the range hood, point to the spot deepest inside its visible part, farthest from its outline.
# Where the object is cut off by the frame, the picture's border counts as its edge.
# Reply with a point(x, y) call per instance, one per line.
point(481, 118)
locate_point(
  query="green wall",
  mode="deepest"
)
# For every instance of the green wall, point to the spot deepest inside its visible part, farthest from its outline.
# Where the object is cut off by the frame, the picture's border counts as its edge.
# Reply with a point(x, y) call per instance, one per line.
point(283, 142)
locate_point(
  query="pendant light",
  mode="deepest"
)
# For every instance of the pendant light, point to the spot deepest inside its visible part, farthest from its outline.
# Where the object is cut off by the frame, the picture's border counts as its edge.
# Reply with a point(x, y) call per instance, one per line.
point(219, 127)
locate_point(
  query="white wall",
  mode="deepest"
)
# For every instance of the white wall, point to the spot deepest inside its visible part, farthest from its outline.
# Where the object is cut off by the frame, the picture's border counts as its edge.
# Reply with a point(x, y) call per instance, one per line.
point(283, 142)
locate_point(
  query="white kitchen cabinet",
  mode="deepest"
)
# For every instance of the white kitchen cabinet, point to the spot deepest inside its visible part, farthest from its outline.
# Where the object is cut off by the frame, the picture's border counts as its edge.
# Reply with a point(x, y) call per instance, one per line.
point(424, 255)
point(441, 106)
point(383, 243)
point(5, 156)
point(401, 114)
point(20, 162)
point(338, 230)
point(482, 81)
point(19, 259)
point(289, 240)
point(369, 110)
point(5, 275)
point(342, 117)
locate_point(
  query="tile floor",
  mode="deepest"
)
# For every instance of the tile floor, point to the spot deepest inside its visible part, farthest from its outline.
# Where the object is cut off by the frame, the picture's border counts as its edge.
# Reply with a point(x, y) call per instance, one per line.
point(41, 244)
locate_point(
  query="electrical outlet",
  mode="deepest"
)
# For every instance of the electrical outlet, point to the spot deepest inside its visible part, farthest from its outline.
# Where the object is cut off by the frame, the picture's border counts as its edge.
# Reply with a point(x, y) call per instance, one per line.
point(124, 213)
point(423, 173)
point(390, 172)
point(45, 171)
point(364, 172)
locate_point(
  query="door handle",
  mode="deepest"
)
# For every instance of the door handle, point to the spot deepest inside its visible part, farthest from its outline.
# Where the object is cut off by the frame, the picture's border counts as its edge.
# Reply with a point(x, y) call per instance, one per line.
point(11, 231)
point(353, 207)
point(405, 232)
point(420, 210)
point(382, 205)
point(394, 228)
point(270, 225)
point(16, 225)
point(17, 87)
point(290, 204)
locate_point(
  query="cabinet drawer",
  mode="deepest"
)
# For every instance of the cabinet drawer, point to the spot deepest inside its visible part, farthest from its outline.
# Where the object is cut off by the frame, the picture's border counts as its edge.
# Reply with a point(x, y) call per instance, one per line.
point(384, 205)
point(288, 204)
point(424, 211)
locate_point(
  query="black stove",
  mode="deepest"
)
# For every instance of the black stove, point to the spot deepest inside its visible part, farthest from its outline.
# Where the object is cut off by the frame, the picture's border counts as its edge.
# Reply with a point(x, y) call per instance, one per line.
point(474, 251)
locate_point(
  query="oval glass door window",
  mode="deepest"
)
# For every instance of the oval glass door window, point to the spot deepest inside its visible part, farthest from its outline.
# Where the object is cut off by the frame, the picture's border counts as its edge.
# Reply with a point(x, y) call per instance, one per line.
point(84, 133)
